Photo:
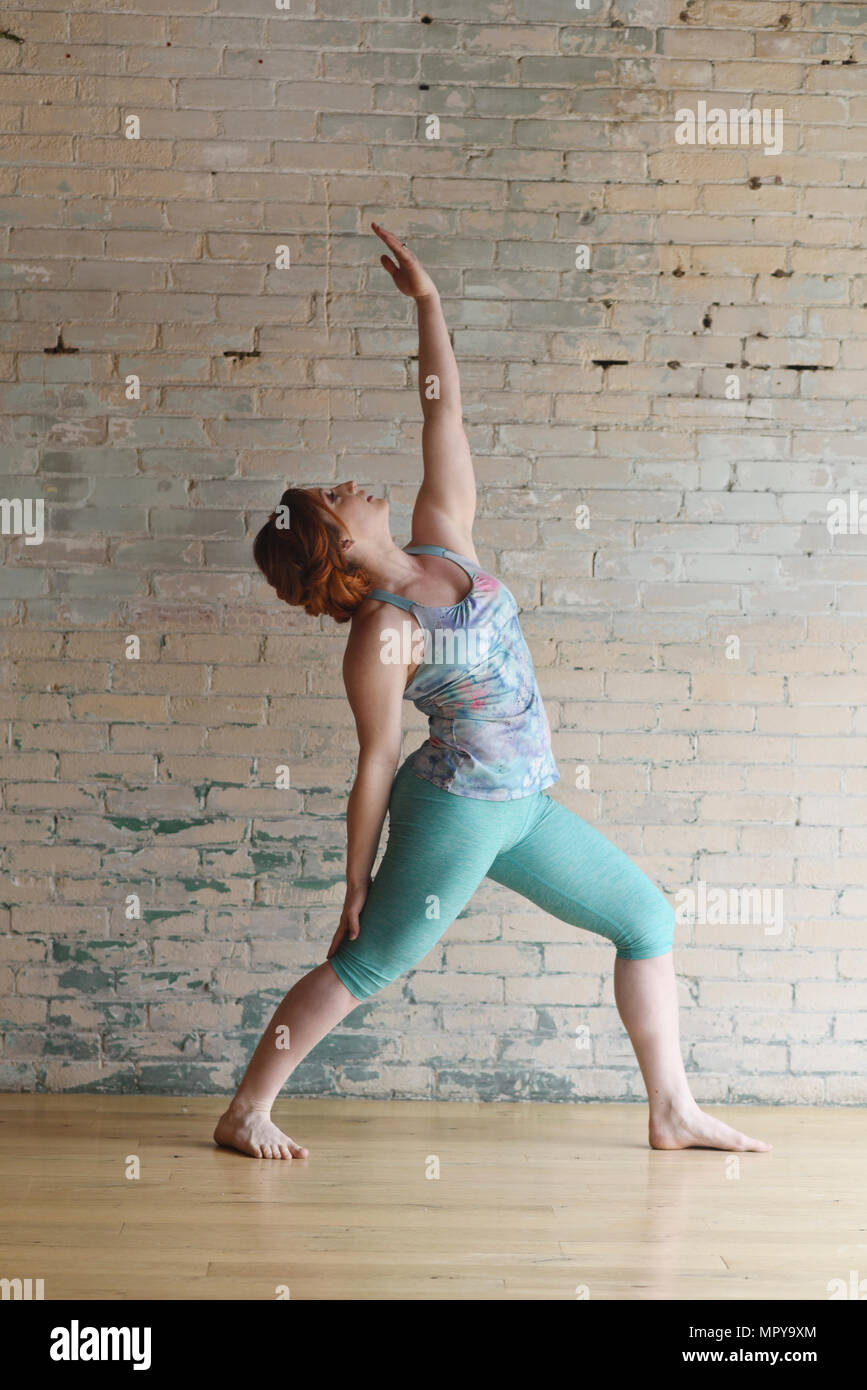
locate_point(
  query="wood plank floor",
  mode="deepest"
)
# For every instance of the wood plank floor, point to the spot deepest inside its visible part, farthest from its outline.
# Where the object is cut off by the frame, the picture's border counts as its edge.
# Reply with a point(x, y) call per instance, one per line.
point(532, 1202)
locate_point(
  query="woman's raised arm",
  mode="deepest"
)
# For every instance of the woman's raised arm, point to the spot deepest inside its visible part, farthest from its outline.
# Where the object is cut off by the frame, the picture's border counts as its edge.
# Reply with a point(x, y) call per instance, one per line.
point(446, 502)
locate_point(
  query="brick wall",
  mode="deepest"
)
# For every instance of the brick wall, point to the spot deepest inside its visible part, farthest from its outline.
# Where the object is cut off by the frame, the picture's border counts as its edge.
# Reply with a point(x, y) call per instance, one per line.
point(701, 642)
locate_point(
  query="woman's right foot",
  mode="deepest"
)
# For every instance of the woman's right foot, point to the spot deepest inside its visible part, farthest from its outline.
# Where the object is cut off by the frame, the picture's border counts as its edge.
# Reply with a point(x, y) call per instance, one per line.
point(252, 1132)
point(690, 1128)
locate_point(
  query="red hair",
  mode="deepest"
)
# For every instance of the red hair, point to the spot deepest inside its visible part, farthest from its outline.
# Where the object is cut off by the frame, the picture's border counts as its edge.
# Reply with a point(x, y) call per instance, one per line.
point(301, 558)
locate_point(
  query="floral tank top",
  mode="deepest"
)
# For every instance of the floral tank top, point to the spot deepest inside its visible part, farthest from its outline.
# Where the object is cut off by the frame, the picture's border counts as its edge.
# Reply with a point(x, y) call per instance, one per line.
point(489, 735)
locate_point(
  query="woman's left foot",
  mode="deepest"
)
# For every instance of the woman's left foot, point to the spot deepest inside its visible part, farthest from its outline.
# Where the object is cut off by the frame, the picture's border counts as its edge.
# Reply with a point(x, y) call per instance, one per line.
point(693, 1129)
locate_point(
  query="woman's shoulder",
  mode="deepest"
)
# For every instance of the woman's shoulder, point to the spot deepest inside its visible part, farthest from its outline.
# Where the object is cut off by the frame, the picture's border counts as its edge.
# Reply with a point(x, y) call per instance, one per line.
point(371, 634)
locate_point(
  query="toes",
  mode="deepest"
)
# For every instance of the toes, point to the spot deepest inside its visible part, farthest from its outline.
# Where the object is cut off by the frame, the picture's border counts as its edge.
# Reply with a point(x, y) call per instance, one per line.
point(284, 1151)
point(745, 1142)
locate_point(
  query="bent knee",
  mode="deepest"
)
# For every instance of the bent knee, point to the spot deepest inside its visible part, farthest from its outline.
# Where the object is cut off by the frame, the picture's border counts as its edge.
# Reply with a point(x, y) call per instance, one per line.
point(359, 978)
point(649, 932)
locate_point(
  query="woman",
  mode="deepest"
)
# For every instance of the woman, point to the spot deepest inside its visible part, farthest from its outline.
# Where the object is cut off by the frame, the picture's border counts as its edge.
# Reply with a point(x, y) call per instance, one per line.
point(428, 624)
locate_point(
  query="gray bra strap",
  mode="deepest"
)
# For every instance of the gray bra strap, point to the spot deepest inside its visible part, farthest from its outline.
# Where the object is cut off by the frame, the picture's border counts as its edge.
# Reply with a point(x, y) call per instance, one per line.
point(465, 564)
point(396, 599)
point(407, 604)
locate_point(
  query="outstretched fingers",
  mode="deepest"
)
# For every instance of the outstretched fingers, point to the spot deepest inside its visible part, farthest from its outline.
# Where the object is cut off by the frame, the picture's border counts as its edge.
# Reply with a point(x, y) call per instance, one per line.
point(392, 241)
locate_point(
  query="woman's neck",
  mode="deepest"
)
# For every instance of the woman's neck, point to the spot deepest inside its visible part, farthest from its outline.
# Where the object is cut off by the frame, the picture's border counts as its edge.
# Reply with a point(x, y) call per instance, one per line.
point(391, 568)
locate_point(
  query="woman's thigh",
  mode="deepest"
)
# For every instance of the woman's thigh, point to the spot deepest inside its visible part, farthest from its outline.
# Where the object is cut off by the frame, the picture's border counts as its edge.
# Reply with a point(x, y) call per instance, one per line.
point(572, 871)
point(439, 848)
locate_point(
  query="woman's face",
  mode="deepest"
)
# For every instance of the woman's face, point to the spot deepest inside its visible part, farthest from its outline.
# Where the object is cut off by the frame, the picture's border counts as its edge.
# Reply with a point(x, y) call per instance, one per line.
point(360, 512)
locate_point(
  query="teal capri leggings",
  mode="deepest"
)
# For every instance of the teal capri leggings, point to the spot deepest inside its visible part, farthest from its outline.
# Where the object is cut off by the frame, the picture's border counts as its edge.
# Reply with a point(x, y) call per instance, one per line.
point(440, 847)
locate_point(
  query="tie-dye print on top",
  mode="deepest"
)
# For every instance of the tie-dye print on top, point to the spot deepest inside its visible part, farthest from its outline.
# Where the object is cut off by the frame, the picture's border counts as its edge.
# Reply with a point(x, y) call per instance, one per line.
point(489, 735)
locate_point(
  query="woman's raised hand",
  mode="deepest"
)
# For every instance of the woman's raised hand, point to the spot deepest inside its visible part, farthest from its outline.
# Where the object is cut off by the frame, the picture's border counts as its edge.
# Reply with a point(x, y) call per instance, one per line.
point(409, 274)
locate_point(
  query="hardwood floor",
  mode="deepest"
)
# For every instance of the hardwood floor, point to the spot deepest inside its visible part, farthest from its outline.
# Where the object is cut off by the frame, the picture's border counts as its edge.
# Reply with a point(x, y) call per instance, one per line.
point(532, 1202)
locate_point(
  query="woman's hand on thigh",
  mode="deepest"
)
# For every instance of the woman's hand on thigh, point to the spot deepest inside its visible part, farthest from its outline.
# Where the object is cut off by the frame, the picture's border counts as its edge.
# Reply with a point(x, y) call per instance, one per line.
point(349, 925)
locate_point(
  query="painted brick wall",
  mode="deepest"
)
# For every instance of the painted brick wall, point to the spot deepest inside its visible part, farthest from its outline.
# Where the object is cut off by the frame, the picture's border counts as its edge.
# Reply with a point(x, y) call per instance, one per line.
point(701, 642)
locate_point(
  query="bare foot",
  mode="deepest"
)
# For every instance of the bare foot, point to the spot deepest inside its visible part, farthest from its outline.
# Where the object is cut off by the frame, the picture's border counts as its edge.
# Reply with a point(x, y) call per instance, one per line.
point(252, 1132)
point(693, 1129)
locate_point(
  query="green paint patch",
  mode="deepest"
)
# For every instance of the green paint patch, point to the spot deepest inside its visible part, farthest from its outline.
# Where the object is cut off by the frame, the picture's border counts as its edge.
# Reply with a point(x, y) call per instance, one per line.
point(203, 788)
point(311, 1079)
point(61, 951)
point(176, 1079)
point(508, 1085)
point(266, 862)
point(73, 1046)
point(256, 1009)
point(204, 885)
point(359, 1073)
point(146, 977)
point(359, 1015)
point(87, 981)
point(133, 823)
point(175, 827)
point(337, 1048)
point(488, 1085)
point(546, 1085)
point(120, 1083)
point(125, 1017)
point(261, 833)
